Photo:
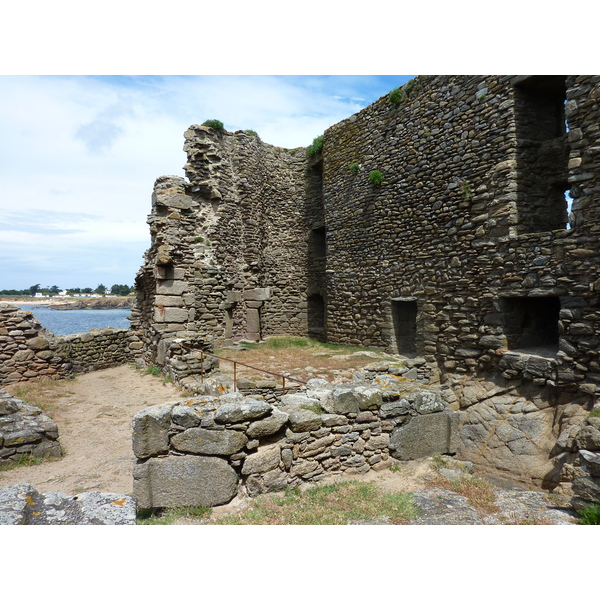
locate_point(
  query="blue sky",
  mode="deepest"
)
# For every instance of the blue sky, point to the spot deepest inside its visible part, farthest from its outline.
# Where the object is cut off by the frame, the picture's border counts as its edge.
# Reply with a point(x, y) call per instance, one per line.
point(79, 156)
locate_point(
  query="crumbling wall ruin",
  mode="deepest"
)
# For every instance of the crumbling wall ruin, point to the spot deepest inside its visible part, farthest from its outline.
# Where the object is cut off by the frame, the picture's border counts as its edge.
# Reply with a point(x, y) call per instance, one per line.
point(478, 251)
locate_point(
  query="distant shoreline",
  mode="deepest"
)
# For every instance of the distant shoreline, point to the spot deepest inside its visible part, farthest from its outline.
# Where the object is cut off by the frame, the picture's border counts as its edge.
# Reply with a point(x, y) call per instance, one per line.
point(111, 302)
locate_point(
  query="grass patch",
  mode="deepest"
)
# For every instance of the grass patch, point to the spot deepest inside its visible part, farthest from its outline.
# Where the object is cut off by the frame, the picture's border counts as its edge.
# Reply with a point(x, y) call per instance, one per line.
point(479, 493)
point(154, 371)
point(44, 393)
point(590, 515)
point(167, 516)
point(300, 358)
point(331, 504)
point(594, 413)
point(25, 460)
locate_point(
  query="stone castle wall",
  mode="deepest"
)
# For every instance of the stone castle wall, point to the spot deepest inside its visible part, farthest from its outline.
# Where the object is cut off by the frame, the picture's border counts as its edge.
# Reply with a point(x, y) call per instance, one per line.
point(467, 254)
point(29, 352)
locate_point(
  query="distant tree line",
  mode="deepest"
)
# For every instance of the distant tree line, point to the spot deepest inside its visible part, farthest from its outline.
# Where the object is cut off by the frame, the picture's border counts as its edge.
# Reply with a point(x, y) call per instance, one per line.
point(115, 290)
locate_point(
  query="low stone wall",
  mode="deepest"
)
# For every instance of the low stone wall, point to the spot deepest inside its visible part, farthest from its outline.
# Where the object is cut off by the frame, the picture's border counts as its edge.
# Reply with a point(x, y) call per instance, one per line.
point(25, 431)
point(201, 450)
point(28, 351)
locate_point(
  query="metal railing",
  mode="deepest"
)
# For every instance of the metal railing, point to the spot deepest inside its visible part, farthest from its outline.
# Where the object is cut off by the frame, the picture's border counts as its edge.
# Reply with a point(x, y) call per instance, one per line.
point(237, 362)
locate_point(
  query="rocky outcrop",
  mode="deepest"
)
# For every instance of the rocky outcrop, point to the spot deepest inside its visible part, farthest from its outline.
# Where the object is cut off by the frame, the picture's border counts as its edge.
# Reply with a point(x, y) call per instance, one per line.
point(22, 504)
point(25, 431)
point(94, 304)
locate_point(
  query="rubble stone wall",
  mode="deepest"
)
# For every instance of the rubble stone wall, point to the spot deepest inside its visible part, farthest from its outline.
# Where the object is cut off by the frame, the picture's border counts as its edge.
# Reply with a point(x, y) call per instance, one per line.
point(202, 450)
point(28, 351)
point(25, 431)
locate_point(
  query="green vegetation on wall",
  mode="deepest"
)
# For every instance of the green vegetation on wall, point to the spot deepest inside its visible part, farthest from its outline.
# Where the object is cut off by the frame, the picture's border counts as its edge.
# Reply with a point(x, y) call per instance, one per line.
point(214, 124)
point(316, 147)
point(376, 177)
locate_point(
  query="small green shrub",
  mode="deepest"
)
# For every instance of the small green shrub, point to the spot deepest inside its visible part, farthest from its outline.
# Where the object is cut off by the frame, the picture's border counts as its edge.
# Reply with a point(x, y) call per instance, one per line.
point(397, 96)
point(354, 167)
point(316, 147)
point(594, 413)
point(198, 239)
point(466, 190)
point(251, 132)
point(403, 93)
point(376, 177)
point(214, 124)
point(154, 370)
point(590, 515)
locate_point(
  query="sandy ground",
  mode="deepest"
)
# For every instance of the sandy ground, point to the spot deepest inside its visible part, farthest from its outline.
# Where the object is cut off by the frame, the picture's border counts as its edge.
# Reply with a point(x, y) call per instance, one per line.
point(94, 424)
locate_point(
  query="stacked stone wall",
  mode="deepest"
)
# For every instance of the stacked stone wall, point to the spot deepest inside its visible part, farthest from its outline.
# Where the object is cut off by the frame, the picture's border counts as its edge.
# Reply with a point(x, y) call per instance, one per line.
point(29, 352)
point(200, 451)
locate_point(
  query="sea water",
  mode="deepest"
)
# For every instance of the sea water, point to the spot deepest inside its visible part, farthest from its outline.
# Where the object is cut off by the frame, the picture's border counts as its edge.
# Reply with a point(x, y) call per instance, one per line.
point(63, 322)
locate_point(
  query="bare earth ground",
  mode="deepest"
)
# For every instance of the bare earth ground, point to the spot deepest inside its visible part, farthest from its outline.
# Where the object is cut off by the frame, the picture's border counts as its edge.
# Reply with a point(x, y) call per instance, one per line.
point(94, 412)
point(94, 424)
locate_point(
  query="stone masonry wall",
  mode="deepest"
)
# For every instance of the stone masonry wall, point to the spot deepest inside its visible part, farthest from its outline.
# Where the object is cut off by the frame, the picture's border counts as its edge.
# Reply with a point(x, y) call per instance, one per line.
point(28, 351)
point(202, 450)
point(466, 255)
point(229, 247)
point(25, 431)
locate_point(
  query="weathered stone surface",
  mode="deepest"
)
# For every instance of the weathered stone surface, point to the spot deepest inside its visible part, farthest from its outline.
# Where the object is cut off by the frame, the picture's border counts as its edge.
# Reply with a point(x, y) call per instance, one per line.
point(394, 409)
point(590, 462)
point(198, 440)
point(425, 435)
point(342, 401)
point(267, 426)
point(21, 504)
point(266, 459)
point(428, 402)
point(303, 420)
point(184, 481)
point(243, 411)
point(151, 430)
point(588, 437)
point(368, 398)
point(587, 488)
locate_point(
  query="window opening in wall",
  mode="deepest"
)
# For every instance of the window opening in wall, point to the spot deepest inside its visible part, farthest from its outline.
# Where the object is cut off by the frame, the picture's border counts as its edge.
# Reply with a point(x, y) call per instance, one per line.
point(531, 324)
point(569, 201)
point(542, 153)
point(404, 318)
point(316, 316)
point(318, 242)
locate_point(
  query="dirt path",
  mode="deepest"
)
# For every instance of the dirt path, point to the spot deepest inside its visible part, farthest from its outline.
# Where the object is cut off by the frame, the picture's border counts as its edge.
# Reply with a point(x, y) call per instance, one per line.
point(94, 422)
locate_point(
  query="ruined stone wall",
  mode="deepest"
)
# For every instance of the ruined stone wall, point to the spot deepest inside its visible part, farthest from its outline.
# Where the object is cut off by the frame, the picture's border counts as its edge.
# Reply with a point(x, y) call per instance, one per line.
point(201, 450)
point(466, 254)
point(28, 351)
point(443, 232)
point(229, 246)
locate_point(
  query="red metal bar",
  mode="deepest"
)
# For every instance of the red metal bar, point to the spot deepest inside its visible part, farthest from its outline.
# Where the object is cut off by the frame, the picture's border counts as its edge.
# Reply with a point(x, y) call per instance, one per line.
point(237, 362)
